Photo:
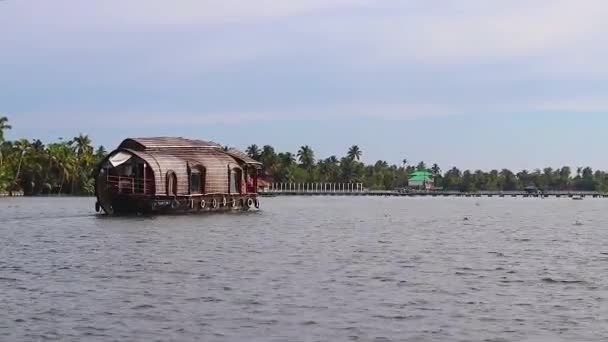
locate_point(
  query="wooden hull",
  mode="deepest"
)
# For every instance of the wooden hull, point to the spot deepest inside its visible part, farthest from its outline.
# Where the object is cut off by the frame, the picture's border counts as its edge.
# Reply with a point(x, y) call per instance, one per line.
point(126, 204)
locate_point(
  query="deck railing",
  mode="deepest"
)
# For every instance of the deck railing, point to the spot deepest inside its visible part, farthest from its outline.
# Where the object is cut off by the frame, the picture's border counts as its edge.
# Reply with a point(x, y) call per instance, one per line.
point(130, 185)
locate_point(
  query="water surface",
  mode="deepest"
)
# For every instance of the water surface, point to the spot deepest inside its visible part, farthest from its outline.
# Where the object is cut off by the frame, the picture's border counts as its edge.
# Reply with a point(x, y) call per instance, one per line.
point(308, 269)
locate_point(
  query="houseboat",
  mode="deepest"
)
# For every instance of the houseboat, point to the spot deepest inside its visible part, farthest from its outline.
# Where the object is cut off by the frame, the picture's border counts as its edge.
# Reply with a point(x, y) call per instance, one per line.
point(164, 175)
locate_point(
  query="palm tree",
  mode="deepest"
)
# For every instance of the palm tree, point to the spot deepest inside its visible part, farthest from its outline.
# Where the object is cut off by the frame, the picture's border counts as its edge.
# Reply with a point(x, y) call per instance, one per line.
point(21, 147)
point(82, 145)
point(332, 160)
point(253, 151)
point(286, 158)
point(306, 157)
point(268, 155)
point(3, 127)
point(404, 161)
point(100, 153)
point(354, 152)
point(435, 169)
point(63, 161)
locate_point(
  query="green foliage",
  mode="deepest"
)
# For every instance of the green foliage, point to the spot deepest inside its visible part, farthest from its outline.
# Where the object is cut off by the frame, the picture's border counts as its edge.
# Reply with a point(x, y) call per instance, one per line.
point(281, 168)
point(63, 167)
point(67, 167)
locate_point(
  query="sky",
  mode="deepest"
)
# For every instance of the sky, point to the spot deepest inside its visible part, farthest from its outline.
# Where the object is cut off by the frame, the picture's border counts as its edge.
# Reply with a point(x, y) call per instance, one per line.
point(519, 84)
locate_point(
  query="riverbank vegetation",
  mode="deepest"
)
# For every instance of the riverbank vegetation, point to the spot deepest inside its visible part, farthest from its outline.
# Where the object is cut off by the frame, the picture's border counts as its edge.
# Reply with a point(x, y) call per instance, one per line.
point(61, 167)
point(67, 167)
point(303, 167)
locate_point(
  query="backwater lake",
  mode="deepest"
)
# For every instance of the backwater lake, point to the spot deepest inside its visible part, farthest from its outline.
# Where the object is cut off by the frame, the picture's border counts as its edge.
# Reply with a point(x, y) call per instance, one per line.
point(308, 269)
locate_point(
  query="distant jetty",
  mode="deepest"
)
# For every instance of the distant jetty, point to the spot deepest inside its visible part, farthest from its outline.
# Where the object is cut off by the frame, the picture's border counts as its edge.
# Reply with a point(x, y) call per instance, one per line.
point(357, 189)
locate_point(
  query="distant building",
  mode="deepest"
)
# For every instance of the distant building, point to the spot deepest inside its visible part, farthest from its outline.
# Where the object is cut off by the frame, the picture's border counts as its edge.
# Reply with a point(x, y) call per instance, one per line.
point(421, 180)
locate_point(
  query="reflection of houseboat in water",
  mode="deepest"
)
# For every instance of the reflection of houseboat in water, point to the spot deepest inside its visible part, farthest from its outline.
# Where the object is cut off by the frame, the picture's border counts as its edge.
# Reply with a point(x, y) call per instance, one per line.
point(155, 175)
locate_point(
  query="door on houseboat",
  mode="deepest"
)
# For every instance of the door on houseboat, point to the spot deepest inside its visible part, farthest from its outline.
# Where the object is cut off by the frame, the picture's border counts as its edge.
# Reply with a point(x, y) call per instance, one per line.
point(171, 184)
point(235, 181)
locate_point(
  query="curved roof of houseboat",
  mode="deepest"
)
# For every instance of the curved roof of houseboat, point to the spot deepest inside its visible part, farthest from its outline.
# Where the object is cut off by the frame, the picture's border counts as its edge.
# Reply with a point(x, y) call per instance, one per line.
point(167, 143)
point(184, 148)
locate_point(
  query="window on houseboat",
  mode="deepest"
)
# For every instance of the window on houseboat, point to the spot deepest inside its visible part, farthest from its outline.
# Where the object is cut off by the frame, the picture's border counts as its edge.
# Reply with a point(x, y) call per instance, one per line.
point(195, 182)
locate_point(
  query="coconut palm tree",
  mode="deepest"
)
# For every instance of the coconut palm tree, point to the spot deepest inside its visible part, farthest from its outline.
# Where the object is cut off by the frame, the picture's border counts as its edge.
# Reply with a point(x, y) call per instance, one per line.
point(332, 160)
point(331, 169)
point(21, 147)
point(435, 169)
point(62, 159)
point(286, 158)
point(306, 157)
point(100, 153)
point(354, 152)
point(404, 161)
point(82, 145)
point(253, 151)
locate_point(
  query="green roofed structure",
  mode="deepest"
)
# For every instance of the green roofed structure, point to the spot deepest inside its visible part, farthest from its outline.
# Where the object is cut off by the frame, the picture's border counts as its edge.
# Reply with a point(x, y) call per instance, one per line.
point(421, 180)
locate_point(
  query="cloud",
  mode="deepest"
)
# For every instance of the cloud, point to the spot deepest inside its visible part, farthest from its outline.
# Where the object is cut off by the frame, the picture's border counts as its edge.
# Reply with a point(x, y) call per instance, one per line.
point(152, 14)
point(506, 30)
point(282, 60)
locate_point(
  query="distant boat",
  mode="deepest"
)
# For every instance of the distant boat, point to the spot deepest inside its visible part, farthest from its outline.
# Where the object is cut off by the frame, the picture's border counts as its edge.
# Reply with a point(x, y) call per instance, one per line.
point(577, 198)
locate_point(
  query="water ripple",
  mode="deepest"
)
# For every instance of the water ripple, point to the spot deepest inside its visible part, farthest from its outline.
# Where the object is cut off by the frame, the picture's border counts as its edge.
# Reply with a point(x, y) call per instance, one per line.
point(307, 269)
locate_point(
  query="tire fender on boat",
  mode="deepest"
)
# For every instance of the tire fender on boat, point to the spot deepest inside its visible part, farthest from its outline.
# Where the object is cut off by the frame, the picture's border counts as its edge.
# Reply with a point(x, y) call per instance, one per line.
point(214, 203)
point(224, 201)
point(234, 203)
point(203, 204)
point(192, 203)
point(250, 202)
point(174, 204)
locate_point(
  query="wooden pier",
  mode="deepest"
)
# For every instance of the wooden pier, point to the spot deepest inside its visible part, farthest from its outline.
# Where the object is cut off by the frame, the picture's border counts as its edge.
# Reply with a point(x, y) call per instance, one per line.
point(357, 189)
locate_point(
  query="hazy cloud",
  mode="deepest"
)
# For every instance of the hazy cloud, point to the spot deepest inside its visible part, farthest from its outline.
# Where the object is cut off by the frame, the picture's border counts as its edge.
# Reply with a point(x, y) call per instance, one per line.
point(229, 60)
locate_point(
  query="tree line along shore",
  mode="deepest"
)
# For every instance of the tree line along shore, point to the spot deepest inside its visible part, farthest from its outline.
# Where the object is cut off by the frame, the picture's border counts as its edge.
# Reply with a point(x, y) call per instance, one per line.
point(67, 167)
